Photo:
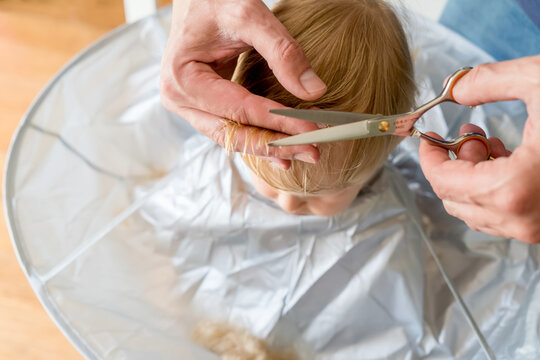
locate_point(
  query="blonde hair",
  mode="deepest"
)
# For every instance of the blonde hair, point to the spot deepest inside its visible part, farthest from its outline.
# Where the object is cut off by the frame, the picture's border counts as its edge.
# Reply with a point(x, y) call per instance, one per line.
point(232, 342)
point(358, 48)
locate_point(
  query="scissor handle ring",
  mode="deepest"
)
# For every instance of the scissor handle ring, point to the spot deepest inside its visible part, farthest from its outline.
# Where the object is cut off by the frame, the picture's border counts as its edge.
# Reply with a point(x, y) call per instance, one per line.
point(454, 80)
point(475, 136)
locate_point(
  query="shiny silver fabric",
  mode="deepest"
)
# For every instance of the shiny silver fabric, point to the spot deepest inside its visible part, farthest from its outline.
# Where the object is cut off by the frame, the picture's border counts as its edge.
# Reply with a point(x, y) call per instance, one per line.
point(131, 227)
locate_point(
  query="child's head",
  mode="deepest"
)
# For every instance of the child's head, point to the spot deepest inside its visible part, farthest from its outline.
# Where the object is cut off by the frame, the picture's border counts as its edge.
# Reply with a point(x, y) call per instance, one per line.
point(358, 48)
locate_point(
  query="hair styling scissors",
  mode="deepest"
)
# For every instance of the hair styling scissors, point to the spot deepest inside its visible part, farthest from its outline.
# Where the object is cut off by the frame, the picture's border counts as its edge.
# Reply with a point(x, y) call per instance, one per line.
point(355, 125)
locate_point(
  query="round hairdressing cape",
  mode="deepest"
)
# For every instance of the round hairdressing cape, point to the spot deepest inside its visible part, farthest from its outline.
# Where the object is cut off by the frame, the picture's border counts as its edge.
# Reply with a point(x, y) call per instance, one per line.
point(131, 228)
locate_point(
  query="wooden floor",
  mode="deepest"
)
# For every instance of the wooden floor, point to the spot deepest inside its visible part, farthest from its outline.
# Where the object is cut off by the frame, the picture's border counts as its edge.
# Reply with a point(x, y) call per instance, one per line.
point(36, 38)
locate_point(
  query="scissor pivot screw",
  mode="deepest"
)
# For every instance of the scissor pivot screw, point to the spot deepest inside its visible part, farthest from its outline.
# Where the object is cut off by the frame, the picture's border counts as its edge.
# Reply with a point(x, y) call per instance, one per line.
point(384, 126)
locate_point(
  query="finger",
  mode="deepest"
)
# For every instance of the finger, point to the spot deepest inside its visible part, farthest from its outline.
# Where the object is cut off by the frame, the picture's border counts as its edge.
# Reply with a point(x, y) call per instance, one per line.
point(478, 218)
point(475, 150)
point(456, 180)
point(497, 148)
point(432, 155)
point(472, 150)
point(215, 95)
point(485, 220)
point(280, 163)
point(475, 216)
point(247, 139)
point(505, 80)
point(284, 55)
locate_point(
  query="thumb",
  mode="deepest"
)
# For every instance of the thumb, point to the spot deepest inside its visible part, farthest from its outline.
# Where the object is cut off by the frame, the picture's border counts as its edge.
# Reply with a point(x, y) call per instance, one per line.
point(430, 156)
point(284, 55)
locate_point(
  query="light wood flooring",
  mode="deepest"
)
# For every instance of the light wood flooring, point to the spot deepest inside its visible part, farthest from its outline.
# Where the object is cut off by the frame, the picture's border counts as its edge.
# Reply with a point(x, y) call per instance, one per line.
point(36, 38)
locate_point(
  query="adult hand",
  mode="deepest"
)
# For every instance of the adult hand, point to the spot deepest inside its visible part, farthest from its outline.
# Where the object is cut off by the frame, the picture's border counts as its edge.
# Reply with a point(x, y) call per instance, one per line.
point(205, 40)
point(500, 197)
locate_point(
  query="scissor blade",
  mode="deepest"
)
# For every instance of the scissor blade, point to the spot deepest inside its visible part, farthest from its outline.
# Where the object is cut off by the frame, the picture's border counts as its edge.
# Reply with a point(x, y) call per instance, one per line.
point(356, 130)
point(324, 116)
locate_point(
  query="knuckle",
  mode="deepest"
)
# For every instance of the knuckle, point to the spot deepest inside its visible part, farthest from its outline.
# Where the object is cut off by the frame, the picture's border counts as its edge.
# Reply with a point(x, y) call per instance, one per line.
point(449, 208)
point(167, 95)
point(472, 226)
point(440, 191)
point(219, 135)
point(242, 10)
point(174, 86)
point(481, 70)
point(533, 71)
point(534, 235)
point(167, 88)
point(169, 105)
point(428, 173)
point(257, 141)
point(286, 50)
point(238, 114)
point(516, 201)
point(170, 88)
point(278, 152)
point(273, 152)
point(240, 111)
point(529, 233)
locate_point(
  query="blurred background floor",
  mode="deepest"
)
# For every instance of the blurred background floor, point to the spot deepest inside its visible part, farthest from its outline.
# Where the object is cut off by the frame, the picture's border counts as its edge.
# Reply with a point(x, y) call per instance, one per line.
point(37, 37)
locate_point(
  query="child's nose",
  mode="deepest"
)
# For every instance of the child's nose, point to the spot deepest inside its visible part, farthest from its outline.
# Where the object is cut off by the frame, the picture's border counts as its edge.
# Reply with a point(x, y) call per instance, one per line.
point(291, 203)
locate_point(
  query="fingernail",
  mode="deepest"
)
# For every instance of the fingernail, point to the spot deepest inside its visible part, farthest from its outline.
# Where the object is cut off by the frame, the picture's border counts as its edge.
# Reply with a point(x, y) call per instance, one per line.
point(311, 82)
point(305, 158)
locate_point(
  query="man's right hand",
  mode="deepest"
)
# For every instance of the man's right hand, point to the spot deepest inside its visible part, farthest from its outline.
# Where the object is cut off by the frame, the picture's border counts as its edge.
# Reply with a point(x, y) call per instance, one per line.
point(500, 197)
point(205, 40)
